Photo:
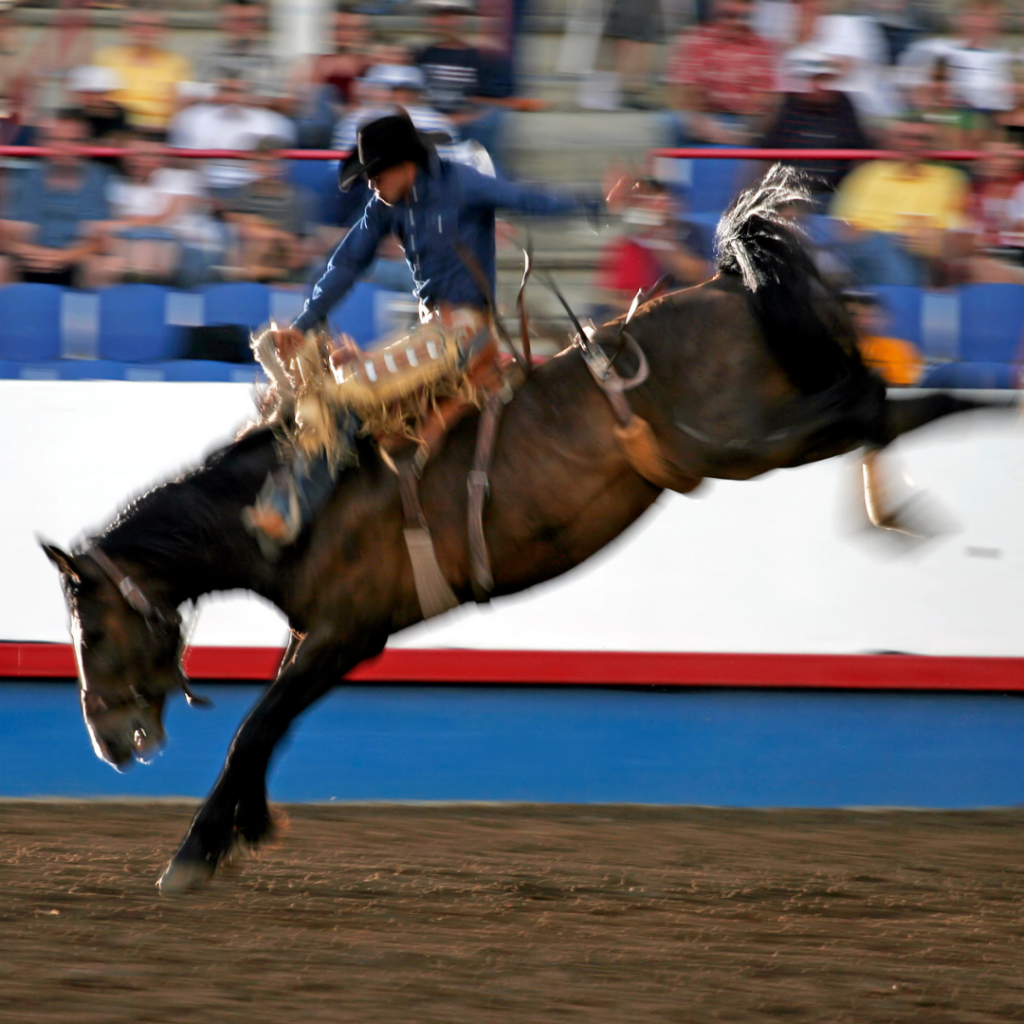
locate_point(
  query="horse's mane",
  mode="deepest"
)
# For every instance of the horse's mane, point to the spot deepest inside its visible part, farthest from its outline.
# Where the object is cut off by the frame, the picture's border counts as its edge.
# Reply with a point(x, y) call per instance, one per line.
point(174, 521)
point(805, 324)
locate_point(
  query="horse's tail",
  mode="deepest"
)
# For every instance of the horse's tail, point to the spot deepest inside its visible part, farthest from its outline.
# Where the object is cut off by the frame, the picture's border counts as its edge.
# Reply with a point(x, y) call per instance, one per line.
point(804, 321)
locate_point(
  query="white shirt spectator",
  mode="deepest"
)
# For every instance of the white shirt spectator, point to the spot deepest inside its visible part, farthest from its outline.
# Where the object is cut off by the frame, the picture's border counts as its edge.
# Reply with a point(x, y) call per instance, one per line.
point(192, 225)
point(980, 77)
point(220, 126)
point(151, 198)
point(858, 44)
point(855, 42)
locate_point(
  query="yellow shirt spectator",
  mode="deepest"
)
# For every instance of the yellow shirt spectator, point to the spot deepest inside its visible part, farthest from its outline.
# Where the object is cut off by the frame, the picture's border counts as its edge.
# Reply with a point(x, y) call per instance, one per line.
point(149, 82)
point(889, 196)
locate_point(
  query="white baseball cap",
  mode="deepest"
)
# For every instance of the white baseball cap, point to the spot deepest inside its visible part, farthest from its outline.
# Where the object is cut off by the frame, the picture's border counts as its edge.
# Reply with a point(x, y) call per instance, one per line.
point(93, 78)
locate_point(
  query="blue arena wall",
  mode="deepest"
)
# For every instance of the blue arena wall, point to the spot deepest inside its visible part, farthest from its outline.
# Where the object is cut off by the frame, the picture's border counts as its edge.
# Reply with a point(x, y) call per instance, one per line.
point(698, 747)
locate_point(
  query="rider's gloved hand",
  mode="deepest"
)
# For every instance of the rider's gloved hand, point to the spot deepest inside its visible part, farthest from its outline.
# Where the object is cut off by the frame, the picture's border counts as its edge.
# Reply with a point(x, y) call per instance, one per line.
point(287, 341)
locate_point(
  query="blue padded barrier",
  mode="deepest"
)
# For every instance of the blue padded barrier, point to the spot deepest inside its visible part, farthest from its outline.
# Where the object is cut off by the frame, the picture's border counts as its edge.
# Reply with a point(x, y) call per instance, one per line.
point(133, 324)
point(73, 369)
point(210, 370)
point(238, 302)
point(30, 322)
point(972, 375)
point(991, 322)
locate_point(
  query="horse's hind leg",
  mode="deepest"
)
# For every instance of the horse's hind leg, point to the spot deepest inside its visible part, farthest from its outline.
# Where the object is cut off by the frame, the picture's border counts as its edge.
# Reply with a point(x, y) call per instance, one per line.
point(900, 507)
point(314, 670)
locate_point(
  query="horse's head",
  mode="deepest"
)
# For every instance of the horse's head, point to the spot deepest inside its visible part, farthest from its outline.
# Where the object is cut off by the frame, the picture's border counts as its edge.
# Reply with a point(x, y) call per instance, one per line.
point(128, 651)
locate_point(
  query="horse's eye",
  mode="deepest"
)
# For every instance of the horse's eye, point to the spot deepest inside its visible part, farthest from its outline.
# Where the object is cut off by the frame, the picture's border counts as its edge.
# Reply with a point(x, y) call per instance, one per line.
point(92, 638)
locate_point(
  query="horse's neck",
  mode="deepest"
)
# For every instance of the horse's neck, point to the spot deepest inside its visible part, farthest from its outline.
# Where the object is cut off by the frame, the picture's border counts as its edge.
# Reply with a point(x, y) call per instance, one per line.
point(187, 539)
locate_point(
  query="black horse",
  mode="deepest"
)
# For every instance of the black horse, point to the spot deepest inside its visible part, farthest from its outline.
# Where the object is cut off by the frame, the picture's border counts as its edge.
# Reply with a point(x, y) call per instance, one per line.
point(752, 371)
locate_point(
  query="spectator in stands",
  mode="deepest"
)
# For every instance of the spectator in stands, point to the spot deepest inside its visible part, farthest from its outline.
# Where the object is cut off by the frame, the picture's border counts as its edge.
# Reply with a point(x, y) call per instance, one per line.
point(242, 50)
point(349, 59)
point(50, 231)
point(636, 28)
point(161, 229)
point(466, 82)
point(14, 130)
point(230, 120)
point(721, 79)
point(149, 74)
point(958, 126)
point(91, 89)
point(899, 363)
point(817, 116)
point(383, 89)
point(271, 221)
point(898, 23)
point(655, 245)
point(902, 215)
point(16, 120)
point(979, 68)
point(1010, 122)
point(996, 214)
point(855, 43)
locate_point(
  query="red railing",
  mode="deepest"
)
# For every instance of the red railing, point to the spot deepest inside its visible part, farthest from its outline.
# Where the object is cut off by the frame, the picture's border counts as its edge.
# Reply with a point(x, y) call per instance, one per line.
point(753, 153)
point(693, 153)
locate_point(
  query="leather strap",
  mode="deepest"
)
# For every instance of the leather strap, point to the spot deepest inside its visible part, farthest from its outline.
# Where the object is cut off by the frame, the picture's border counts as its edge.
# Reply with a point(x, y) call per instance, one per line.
point(408, 488)
point(479, 487)
point(433, 591)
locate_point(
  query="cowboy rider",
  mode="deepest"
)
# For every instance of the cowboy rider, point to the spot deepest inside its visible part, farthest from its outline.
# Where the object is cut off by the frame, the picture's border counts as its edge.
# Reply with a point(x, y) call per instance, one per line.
point(443, 215)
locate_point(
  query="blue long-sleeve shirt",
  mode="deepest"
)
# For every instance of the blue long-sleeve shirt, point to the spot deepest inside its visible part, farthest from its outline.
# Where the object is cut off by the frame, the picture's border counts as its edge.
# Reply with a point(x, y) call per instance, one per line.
point(450, 207)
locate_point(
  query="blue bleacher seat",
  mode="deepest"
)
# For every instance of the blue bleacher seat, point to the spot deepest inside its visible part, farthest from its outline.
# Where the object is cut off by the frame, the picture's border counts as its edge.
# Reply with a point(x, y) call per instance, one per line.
point(30, 322)
point(991, 323)
point(357, 314)
point(903, 305)
point(241, 302)
point(713, 185)
point(319, 178)
point(133, 325)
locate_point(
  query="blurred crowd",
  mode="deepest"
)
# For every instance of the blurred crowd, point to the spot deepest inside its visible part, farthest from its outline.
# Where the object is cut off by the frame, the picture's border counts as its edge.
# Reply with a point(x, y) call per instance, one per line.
point(146, 215)
point(795, 74)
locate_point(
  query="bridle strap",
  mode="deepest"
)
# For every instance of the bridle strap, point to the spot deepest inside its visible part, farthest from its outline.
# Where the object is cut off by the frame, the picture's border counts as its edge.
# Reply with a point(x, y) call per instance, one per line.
point(129, 589)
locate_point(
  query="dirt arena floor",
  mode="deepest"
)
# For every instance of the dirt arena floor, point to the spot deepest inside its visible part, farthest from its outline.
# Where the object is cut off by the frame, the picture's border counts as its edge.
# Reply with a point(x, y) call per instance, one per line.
point(527, 914)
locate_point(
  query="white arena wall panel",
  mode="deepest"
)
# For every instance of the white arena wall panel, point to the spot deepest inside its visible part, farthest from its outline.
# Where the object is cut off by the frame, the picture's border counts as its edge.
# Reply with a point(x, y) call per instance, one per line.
point(777, 565)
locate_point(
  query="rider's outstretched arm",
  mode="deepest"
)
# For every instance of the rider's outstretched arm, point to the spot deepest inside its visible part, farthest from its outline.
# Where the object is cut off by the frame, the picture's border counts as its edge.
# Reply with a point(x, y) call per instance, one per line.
point(500, 194)
point(350, 259)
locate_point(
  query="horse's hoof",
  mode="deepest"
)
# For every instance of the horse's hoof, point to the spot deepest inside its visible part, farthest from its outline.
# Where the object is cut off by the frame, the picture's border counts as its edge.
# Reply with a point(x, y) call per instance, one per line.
point(181, 876)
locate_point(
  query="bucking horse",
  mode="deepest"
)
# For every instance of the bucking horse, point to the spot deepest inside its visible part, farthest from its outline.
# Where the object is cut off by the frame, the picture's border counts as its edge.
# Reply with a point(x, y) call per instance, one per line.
point(754, 370)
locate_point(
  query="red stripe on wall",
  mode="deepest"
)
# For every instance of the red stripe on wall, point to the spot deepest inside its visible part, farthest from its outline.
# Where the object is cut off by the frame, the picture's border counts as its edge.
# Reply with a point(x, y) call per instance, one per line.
point(584, 668)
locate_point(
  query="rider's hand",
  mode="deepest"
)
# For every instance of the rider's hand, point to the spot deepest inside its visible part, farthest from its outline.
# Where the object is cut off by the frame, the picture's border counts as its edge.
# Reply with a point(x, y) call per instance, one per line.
point(287, 341)
point(617, 185)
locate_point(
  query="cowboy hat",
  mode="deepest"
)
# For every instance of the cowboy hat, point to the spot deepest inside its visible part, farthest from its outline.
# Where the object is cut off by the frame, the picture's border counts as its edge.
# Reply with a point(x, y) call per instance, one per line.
point(383, 143)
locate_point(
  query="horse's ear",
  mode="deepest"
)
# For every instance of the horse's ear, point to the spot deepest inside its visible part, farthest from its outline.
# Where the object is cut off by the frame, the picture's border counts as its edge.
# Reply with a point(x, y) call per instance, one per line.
point(65, 563)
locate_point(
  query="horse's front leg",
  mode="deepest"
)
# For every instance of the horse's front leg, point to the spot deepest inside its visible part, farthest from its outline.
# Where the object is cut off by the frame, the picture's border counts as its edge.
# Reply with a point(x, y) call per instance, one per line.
point(253, 820)
point(240, 791)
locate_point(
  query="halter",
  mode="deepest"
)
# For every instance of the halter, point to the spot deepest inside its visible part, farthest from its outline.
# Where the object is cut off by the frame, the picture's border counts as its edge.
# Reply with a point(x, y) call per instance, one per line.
point(136, 599)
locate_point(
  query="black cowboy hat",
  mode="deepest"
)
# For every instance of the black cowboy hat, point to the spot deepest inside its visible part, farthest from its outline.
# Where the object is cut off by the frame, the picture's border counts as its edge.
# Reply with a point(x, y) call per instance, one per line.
point(383, 143)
